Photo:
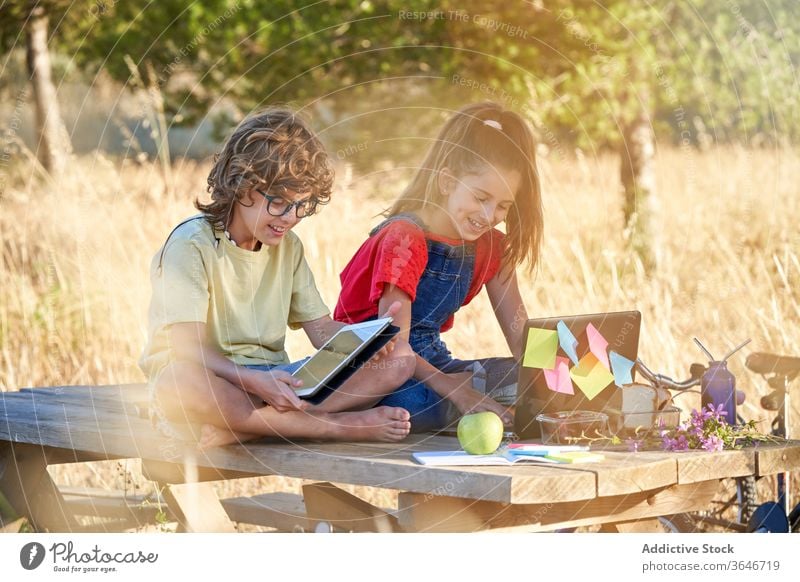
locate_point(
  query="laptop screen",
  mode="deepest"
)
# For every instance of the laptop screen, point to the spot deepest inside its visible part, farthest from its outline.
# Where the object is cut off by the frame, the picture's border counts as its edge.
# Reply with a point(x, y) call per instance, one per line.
point(575, 363)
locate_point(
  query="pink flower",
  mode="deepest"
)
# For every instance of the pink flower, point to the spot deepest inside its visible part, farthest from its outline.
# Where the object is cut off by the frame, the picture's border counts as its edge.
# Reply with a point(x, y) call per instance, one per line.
point(712, 443)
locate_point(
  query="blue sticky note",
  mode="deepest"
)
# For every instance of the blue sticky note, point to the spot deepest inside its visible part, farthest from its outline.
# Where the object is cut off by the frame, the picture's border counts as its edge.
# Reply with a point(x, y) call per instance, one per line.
point(621, 367)
point(567, 341)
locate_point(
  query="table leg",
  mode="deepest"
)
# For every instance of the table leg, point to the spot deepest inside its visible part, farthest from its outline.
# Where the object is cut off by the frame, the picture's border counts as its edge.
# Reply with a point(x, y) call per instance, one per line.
point(29, 489)
point(197, 508)
point(425, 512)
point(327, 503)
point(431, 513)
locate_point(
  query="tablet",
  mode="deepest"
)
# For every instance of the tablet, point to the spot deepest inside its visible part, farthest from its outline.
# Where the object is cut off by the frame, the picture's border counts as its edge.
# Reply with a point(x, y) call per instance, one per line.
point(343, 354)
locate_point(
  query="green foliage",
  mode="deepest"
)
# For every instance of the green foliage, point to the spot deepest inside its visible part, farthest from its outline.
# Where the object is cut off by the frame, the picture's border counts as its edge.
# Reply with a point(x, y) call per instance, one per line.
point(251, 52)
point(581, 69)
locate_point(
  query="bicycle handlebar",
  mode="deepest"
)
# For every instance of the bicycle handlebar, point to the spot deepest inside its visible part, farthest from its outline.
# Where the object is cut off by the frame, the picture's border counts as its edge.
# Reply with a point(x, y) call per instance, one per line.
point(662, 381)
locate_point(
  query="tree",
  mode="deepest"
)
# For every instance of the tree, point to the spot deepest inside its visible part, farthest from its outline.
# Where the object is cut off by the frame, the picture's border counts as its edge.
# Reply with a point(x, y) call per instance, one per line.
point(31, 20)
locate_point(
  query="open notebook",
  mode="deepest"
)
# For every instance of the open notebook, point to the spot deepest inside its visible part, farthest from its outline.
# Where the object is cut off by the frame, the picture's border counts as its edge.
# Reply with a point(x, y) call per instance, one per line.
point(510, 456)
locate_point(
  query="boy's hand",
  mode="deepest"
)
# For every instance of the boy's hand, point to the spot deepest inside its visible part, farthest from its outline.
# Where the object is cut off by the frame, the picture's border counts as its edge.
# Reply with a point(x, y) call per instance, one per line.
point(468, 400)
point(277, 389)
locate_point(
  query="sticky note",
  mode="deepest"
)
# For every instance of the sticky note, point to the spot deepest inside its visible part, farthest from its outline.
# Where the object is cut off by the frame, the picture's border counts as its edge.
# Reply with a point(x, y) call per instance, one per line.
point(558, 379)
point(567, 341)
point(577, 457)
point(621, 368)
point(591, 376)
point(597, 345)
point(540, 349)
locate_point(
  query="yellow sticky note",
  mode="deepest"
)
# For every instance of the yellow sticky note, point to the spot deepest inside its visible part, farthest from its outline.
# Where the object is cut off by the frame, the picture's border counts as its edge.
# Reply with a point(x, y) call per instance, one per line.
point(540, 349)
point(591, 376)
point(576, 457)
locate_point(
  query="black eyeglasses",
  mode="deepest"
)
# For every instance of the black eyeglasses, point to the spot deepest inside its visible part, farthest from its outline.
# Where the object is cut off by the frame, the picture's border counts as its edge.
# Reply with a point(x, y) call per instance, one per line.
point(279, 206)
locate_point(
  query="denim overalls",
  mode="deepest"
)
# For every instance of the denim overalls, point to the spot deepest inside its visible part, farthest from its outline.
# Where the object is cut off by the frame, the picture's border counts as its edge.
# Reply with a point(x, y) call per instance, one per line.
point(442, 290)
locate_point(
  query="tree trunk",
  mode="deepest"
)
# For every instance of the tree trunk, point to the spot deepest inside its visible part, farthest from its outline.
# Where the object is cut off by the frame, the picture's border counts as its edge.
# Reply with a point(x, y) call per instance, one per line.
point(53, 144)
point(638, 181)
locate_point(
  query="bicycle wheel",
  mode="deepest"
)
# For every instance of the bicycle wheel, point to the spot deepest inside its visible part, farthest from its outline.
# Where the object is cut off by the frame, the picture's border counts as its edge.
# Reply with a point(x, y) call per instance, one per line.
point(730, 510)
point(679, 523)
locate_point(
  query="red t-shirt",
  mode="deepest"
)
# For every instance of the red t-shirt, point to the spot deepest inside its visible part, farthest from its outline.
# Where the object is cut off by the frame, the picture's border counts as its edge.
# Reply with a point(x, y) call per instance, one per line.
point(397, 255)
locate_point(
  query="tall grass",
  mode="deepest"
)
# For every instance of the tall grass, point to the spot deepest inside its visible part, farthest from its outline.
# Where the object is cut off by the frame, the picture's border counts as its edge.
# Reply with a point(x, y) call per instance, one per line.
point(75, 258)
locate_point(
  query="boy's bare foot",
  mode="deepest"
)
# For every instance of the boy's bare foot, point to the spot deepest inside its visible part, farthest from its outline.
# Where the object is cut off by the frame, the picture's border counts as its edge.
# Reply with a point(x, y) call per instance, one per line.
point(213, 436)
point(384, 423)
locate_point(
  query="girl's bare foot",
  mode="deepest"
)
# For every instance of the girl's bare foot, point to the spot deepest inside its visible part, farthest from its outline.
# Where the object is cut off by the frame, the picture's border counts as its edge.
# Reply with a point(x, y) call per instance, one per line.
point(384, 423)
point(213, 436)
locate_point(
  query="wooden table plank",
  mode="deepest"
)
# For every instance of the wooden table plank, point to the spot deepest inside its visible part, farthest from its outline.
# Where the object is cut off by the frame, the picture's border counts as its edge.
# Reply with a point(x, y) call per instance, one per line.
point(623, 473)
point(35, 420)
point(130, 392)
point(777, 457)
point(697, 466)
point(446, 514)
point(399, 472)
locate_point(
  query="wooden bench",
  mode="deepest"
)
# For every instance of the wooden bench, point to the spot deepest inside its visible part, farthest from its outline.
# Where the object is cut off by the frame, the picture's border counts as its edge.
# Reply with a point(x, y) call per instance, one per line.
point(47, 426)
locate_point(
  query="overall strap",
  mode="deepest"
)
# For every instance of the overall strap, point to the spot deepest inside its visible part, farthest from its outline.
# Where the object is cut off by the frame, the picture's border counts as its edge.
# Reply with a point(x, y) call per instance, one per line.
point(407, 216)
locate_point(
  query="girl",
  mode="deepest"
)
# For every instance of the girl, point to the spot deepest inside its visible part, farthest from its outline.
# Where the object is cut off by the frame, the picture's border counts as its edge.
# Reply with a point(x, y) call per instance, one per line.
point(438, 248)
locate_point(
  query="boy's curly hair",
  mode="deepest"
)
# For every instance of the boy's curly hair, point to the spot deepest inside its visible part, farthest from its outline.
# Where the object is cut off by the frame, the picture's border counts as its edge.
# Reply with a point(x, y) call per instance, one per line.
point(274, 149)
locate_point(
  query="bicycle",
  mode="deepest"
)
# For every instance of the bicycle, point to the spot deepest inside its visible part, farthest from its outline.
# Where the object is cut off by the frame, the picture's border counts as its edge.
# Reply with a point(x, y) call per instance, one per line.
point(771, 516)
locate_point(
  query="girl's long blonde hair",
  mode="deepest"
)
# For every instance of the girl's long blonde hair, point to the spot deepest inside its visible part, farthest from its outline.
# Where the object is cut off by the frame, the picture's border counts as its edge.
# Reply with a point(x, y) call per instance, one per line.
point(465, 145)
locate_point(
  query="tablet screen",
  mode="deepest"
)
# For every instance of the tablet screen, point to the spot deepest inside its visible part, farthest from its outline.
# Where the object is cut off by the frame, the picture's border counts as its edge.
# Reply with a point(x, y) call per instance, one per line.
point(331, 357)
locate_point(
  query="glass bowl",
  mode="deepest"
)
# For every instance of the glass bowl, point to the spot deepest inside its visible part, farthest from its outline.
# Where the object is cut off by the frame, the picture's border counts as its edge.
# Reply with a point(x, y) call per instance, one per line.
point(646, 423)
point(562, 428)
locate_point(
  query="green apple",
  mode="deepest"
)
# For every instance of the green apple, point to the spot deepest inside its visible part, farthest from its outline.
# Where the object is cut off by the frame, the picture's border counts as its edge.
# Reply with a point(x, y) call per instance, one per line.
point(480, 433)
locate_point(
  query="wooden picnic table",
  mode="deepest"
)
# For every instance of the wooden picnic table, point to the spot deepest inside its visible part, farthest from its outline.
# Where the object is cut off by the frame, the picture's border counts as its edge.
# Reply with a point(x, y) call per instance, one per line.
point(44, 426)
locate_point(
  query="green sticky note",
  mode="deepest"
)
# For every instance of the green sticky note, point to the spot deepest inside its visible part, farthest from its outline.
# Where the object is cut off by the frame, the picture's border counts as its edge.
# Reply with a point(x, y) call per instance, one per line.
point(576, 457)
point(540, 349)
point(591, 376)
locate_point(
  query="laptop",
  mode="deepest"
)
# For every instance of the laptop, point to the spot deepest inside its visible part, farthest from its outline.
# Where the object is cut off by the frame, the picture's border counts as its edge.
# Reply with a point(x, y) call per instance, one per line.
point(342, 355)
point(569, 363)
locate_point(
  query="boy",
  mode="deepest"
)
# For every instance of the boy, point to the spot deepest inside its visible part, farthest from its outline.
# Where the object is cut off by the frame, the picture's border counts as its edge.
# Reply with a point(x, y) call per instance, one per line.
point(227, 283)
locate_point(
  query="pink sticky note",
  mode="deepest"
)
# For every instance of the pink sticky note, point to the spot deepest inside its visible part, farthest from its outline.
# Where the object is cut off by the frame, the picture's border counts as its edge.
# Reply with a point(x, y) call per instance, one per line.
point(597, 345)
point(558, 379)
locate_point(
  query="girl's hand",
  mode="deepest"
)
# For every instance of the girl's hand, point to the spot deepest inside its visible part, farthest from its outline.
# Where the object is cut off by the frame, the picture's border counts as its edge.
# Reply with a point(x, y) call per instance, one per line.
point(468, 400)
point(391, 311)
point(276, 388)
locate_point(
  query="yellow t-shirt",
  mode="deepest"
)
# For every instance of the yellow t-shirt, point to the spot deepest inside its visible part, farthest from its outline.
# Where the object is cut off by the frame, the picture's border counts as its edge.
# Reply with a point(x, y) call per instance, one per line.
point(245, 298)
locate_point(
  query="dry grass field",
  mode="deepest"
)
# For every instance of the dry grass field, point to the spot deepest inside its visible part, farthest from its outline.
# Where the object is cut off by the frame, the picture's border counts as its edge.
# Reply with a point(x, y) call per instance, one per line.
point(75, 258)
